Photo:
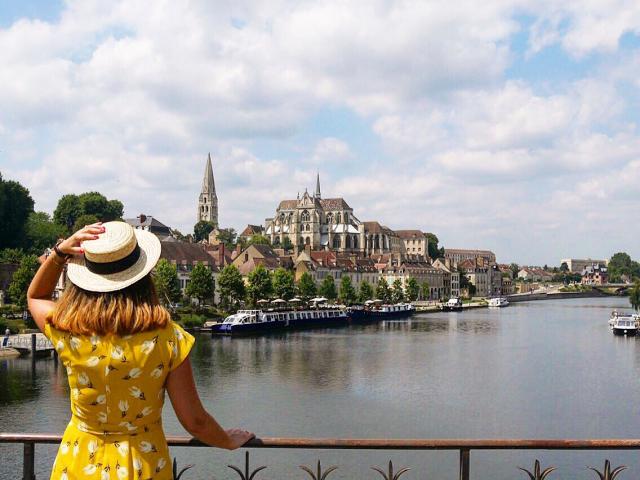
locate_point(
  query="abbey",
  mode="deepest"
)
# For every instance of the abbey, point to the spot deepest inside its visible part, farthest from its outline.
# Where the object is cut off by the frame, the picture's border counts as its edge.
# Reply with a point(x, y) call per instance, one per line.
point(327, 224)
point(208, 200)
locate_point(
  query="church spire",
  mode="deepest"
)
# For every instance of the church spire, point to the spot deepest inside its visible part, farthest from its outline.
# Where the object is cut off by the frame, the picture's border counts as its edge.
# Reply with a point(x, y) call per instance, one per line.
point(208, 184)
point(318, 185)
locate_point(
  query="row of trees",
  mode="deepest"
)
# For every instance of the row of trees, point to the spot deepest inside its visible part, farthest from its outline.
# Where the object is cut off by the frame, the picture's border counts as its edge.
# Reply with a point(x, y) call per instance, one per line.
point(263, 284)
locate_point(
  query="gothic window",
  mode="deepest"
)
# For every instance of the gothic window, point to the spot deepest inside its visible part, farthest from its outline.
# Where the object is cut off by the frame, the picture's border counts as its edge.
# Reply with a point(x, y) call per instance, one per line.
point(329, 218)
point(346, 217)
point(307, 241)
point(355, 242)
point(301, 240)
point(336, 242)
point(308, 228)
point(276, 241)
point(205, 199)
point(305, 217)
point(348, 245)
point(338, 218)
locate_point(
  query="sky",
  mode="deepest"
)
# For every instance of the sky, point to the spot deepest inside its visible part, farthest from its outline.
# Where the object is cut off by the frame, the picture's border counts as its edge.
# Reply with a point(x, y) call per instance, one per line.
point(502, 125)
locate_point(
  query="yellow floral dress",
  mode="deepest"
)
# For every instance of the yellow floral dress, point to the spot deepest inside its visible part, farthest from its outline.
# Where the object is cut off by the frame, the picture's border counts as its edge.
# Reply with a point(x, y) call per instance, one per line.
point(117, 393)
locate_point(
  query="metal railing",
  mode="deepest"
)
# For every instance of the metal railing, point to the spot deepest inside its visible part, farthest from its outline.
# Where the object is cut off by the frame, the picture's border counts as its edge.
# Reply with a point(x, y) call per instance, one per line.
point(464, 447)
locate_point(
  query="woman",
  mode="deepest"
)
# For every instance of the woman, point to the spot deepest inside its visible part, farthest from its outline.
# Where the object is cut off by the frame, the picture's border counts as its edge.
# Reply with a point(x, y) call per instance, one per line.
point(121, 351)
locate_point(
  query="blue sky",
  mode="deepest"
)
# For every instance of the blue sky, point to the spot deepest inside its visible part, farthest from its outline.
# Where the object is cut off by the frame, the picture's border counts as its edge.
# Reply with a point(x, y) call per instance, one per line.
point(507, 126)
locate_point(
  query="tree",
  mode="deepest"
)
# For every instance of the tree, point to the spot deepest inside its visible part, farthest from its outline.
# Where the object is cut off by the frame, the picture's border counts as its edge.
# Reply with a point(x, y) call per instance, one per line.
point(200, 286)
point(432, 246)
point(167, 283)
point(202, 229)
point(382, 290)
point(306, 286)
point(564, 267)
point(84, 220)
point(284, 284)
point(260, 284)
point(397, 291)
point(328, 288)
point(257, 239)
point(21, 279)
point(347, 292)
point(413, 289)
point(621, 265)
point(287, 245)
point(515, 268)
point(231, 286)
point(425, 290)
point(42, 233)
point(634, 296)
point(177, 234)
point(67, 211)
point(15, 207)
point(227, 236)
point(366, 292)
point(72, 207)
point(11, 255)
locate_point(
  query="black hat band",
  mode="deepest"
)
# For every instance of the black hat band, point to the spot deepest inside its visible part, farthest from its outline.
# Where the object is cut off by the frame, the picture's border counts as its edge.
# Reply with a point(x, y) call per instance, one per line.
point(113, 267)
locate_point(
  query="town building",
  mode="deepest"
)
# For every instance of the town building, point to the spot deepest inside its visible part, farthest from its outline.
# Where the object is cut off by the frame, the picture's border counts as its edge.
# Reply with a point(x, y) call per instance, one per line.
point(208, 200)
point(250, 231)
point(451, 276)
point(423, 272)
point(150, 224)
point(478, 273)
point(460, 254)
point(577, 265)
point(264, 255)
point(415, 242)
point(534, 274)
point(595, 274)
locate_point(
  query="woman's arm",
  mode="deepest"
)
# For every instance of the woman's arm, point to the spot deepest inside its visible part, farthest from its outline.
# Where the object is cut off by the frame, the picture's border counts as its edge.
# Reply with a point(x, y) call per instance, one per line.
point(192, 415)
point(45, 280)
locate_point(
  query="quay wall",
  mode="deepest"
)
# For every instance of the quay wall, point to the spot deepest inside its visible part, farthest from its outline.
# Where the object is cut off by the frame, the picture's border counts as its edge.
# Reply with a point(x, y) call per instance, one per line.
point(527, 297)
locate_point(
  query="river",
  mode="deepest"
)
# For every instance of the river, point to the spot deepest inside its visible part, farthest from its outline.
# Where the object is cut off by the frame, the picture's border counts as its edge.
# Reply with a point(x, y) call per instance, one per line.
point(546, 369)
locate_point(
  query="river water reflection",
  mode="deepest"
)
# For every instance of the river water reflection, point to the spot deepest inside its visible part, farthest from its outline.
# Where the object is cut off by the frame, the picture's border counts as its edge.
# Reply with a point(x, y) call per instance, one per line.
point(533, 370)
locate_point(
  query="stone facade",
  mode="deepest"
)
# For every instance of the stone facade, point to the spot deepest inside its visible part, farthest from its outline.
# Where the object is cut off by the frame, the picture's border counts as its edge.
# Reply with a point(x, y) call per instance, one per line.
point(208, 200)
point(577, 265)
point(460, 254)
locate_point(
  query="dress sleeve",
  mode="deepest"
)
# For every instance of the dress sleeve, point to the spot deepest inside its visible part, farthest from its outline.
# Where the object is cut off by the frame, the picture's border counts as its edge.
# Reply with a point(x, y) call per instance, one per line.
point(56, 337)
point(182, 344)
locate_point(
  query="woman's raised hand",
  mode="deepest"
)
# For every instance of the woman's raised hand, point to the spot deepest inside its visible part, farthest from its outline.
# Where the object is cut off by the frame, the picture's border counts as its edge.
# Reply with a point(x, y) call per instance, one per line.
point(238, 438)
point(72, 245)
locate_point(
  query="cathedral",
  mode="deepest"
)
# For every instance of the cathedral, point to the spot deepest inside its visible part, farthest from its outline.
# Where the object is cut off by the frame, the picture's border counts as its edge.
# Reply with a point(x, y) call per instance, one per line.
point(208, 200)
point(327, 224)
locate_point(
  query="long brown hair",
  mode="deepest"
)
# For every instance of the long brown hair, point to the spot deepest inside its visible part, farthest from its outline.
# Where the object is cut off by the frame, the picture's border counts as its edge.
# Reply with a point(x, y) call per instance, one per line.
point(131, 310)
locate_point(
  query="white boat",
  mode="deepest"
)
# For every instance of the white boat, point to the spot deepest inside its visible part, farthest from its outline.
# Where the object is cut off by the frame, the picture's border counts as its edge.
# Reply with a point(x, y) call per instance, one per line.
point(624, 323)
point(452, 305)
point(498, 302)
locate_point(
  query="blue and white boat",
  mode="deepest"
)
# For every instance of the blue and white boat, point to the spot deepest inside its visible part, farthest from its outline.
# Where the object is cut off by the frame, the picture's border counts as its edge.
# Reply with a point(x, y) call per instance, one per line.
point(253, 322)
point(373, 313)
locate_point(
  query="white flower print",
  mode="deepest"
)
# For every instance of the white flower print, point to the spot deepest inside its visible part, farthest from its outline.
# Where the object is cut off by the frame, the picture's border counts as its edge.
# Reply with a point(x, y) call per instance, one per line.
point(122, 472)
point(83, 379)
point(95, 340)
point(157, 372)
point(102, 417)
point(59, 345)
point(133, 373)
point(160, 465)
point(74, 343)
point(145, 411)
point(136, 393)
point(123, 405)
point(93, 361)
point(146, 447)
point(76, 448)
point(178, 333)
point(137, 465)
point(64, 448)
point(104, 475)
point(90, 469)
point(107, 388)
point(64, 475)
point(92, 447)
point(100, 400)
point(108, 369)
point(118, 353)
point(149, 345)
point(129, 426)
point(69, 371)
point(83, 427)
point(122, 447)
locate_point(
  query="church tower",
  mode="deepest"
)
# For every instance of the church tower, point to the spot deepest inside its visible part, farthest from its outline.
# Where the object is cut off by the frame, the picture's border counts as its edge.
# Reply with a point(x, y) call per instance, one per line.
point(208, 201)
point(318, 185)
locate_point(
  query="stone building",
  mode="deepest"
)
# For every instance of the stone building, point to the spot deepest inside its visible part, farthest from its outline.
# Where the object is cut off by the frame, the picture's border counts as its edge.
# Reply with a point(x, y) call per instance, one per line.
point(422, 271)
point(208, 200)
point(478, 271)
point(150, 224)
point(595, 274)
point(577, 265)
point(416, 243)
point(460, 254)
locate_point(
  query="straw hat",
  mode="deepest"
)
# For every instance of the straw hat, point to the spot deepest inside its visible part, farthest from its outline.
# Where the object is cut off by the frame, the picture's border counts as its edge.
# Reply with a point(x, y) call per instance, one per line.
point(120, 257)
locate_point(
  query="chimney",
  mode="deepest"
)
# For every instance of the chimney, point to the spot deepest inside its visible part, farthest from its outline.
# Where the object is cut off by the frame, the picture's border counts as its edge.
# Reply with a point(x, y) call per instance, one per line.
point(221, 255)
point(143, 218)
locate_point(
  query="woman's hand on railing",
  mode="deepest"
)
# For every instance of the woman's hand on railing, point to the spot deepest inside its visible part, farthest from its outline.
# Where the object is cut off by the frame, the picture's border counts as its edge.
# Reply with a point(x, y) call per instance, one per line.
point(238, 438)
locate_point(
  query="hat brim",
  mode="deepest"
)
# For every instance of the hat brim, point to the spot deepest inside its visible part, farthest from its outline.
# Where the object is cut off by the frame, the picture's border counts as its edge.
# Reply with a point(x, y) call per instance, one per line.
point(150, 249)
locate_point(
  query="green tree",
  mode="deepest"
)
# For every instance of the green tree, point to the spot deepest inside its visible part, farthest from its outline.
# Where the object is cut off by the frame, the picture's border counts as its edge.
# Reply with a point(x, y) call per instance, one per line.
point(11, 255)
point(284, 285)
point(413, 289)
point(21, 279)
point(348, 294)
point(306, 286)
point(167, 283)
point(328, 288)
point(514, 267)
point(366, 292)
point(564, 267)
point(231, 286)
point(621, 265)
point(42, 233)
point(177, 234)
point(287, 245)
point(84, 220)
point(383, 292)
point(634, 296)
point(15, 207)
point(227, 236)
point(425, 290)
point(260, 285)
point(67, 211)
point(432, 246)
point(258, 239)
point(201, 285)
point(72, 207)
point(397, 291)
point(202, 229)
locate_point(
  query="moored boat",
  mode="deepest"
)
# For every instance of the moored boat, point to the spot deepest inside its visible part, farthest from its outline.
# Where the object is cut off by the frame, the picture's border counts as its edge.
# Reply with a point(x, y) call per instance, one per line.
point(452, 305)
point(372, 312)
point(253, 322)
point(624, 324)
point(498, 302)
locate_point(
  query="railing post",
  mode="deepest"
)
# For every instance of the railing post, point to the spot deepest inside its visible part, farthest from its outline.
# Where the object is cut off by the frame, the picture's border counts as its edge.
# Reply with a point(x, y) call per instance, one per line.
point(28, 461)
point(464, 464)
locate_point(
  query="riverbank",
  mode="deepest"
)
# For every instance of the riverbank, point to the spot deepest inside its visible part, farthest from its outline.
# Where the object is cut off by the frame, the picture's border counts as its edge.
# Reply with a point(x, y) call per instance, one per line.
point(528, 297)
